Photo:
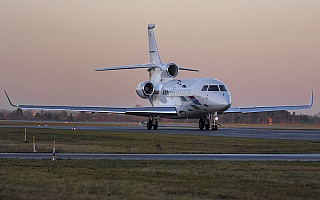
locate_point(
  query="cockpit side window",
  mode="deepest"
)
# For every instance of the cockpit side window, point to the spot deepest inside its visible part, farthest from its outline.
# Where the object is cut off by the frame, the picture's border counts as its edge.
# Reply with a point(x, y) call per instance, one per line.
point(204, 88)
point(223, 88)
point(213, 88)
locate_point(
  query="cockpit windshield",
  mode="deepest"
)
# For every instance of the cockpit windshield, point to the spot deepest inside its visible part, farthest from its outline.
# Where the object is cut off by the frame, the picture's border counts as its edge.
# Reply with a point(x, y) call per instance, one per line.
point(223, 88)
point(204, 88)
point(214, 88)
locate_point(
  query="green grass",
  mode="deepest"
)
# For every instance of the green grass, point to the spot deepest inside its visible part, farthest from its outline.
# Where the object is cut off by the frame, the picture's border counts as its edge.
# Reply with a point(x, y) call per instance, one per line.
point(12, 140)
point(114, 179)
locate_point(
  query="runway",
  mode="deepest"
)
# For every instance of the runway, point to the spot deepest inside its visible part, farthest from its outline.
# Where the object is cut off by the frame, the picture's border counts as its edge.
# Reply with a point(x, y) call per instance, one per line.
point(268, 133)
point(214, 157)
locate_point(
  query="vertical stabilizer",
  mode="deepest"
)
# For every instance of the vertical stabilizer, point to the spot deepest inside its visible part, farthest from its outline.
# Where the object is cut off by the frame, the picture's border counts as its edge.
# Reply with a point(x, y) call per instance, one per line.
point(153, 49)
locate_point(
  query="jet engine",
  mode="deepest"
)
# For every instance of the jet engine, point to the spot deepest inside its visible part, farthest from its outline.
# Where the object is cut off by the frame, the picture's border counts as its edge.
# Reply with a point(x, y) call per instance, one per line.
point(172, 69)
point(145, 89)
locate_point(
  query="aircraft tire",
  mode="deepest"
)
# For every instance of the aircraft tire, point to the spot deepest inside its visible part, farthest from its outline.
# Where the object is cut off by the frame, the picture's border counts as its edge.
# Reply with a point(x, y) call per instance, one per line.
point(207, 124)
point(155, 126)
point(149, 124)
point(201, 124)
point(215, 128)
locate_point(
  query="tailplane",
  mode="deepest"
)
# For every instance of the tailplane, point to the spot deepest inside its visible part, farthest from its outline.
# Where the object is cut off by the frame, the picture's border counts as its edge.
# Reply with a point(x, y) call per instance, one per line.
point(157, 71)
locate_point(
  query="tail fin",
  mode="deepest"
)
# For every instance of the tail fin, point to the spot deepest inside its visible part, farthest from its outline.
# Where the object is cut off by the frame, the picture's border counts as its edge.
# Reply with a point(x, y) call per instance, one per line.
point(153, 49)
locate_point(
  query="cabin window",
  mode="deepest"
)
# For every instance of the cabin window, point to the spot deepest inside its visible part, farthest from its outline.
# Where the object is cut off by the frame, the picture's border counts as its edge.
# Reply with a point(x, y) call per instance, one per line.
point(204, 88)
point(213, 88)
point(223, 88)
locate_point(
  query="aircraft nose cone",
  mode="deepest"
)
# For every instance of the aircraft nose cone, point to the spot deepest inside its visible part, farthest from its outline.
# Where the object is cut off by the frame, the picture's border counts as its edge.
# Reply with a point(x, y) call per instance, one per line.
point(225, 101)
point(228, 101)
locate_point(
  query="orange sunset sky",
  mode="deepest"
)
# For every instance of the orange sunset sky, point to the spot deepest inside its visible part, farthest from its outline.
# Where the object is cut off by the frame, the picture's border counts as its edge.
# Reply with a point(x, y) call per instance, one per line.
point(266, 52)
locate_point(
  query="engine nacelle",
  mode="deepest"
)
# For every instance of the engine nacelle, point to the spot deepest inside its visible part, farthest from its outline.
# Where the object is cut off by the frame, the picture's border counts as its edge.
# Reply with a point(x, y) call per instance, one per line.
point(171, 69)
point(145, 89)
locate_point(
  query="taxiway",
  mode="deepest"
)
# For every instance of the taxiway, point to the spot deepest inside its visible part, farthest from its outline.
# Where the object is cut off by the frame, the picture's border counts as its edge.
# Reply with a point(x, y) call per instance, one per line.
point(268, 133)
point(217, 157)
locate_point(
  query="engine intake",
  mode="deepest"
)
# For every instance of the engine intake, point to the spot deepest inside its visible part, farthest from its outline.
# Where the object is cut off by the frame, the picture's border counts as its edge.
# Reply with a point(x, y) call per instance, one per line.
point(172, 70)
point(145, 89)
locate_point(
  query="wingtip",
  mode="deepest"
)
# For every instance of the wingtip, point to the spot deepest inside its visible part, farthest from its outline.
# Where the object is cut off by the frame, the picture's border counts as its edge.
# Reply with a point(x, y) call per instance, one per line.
point(311, 99)
point(9, 99)
point(97, 69)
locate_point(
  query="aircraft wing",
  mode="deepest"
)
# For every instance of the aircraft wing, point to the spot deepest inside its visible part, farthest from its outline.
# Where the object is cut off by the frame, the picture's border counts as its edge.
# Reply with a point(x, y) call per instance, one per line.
point(256, 109)
point(146, 111)
point(140, 111)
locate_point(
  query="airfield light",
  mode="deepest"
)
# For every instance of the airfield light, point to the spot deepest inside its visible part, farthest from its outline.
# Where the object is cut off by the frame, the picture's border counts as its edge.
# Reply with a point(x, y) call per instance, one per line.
point(54, 151)
point(34, 144)
point(25, 136)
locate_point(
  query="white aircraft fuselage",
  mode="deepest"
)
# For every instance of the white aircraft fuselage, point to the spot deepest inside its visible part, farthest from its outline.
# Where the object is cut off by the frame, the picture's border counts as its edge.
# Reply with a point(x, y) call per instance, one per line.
point(193, 98)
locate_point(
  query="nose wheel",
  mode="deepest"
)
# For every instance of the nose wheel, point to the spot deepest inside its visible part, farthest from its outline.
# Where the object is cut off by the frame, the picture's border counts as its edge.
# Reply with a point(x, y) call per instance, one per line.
point(215, 124)
point(214, 127)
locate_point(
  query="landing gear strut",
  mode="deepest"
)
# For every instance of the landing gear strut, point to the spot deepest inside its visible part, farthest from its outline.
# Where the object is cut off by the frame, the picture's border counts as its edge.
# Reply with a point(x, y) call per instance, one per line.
point(215, 123)
point(204, 122)
point(152, 122)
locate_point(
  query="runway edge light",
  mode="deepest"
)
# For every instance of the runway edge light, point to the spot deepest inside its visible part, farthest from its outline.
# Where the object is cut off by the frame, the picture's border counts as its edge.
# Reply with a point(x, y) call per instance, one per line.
point(34, 144)
point(25, 136)
point(54, 151)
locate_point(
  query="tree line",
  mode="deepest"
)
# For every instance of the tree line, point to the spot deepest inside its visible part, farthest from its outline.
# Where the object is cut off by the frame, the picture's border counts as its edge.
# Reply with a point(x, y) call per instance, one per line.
point(65, 116)
point(278, 117)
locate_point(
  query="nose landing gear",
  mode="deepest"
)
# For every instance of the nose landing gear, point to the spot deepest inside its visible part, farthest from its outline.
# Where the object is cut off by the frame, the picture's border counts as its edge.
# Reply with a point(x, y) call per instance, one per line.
point(215, 123)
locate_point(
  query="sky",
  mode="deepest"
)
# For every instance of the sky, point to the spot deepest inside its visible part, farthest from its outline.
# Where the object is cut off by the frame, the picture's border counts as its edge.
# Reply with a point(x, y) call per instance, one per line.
point(266, 52)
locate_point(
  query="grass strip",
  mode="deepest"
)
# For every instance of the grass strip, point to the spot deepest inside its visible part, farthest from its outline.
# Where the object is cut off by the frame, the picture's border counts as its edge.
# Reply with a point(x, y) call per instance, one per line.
point(116, 179)
point(82, 141)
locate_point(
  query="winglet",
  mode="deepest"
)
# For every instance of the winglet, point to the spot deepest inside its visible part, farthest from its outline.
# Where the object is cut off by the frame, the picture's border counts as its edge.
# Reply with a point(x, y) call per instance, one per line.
point(10, 100)
point(311, 99)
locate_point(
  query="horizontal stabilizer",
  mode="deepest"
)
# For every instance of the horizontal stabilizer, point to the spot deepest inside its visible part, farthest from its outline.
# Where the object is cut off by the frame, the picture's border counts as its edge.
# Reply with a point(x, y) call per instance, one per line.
point(139, 66)
point(188, 69)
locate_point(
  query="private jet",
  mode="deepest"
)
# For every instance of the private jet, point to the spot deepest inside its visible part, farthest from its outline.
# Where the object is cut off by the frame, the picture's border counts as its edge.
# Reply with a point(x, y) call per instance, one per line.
point(200, 98)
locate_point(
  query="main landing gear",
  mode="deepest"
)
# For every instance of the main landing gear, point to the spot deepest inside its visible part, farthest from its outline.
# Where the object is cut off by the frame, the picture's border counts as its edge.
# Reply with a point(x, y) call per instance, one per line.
point(204, 122)
point(152, 123)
